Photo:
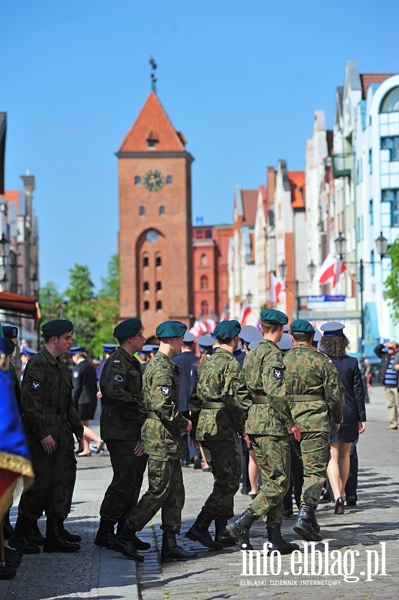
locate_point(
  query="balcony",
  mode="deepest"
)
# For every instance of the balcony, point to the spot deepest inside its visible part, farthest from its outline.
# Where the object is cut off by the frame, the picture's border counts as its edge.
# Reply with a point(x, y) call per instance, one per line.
point(342, 165)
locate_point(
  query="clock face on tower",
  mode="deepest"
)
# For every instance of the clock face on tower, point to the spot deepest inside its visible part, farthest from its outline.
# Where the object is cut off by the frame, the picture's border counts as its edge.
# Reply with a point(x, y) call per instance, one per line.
point(153, 180)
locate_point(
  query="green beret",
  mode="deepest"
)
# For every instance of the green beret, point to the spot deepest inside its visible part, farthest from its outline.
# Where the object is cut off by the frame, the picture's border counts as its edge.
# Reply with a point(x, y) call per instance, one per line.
point(273, 316)
point(302, 326)
point(9, 346)
point(10, 331)
point(170, 329)
point(226, 330)
point(127, 328)
point(57, 327)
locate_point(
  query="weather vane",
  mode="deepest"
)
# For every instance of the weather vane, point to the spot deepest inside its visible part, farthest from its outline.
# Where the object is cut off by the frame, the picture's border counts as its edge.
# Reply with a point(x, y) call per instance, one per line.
point(153, 78)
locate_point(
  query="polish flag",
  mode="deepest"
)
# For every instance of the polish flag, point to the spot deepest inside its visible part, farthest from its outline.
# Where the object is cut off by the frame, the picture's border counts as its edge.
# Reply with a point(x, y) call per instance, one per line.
point(245, 312)
point(277, 286)
point(331, 269)
point(224, 317)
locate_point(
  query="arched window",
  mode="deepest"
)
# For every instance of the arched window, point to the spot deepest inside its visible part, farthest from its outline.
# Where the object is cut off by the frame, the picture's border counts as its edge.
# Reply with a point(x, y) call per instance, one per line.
point(204, 282)
point(146, 261)
point(204, 308)
point(158, 261)
point(390, 102)
point(204, 260)
point(146, 286)
point(159, 285)
point(146, 305)
point(142, 210)
point(159, 305)
point(169, 179)
point(137, 180)
point(161, 210)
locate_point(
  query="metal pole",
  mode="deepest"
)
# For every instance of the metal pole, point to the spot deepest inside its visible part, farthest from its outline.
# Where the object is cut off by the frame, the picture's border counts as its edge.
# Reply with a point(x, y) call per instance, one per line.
point(298, 303)
point(361, 273)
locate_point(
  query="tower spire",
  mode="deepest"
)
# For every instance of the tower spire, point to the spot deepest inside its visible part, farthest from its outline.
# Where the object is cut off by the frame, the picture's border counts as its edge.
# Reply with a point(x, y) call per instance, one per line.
point(153, 78)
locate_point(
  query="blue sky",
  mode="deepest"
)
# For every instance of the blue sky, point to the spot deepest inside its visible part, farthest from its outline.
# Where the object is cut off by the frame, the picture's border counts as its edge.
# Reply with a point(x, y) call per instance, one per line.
point(240, 79)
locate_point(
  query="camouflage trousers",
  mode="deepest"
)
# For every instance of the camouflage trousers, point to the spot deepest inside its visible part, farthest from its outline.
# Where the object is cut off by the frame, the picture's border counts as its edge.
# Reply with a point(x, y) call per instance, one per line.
point(274, 460)
point(314, 452)
point(124, 490)
point(224, 458)
point(71, 473)
point(165, 491)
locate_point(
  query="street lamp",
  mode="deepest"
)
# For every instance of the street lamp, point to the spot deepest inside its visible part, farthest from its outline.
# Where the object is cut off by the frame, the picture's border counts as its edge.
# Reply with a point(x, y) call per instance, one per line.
point(249, 298)
point(283, 268)
point(34, 284)
point(340, 245)
point(4, 252)
point(382, 245)
point(311, 269)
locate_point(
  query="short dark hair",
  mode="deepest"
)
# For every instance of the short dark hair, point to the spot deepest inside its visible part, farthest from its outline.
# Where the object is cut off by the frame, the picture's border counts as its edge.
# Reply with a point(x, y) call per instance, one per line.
point(301, 336)
point(269, 327)
point(225, 341)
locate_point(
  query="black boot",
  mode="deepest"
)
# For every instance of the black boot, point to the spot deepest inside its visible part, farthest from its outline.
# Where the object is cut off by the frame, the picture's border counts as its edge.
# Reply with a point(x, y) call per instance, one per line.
point(7, 572)
point(239, 530)
point(20, 539)
point(55, 541)
point(278, 543)
point(105, 534)
point(199, 531)
point(70, 537)
point(123, 543)
point(36, 535)
point(137, 542)
point(170, 551)
point(8, 529)
point(304, 526)
point(222, 535)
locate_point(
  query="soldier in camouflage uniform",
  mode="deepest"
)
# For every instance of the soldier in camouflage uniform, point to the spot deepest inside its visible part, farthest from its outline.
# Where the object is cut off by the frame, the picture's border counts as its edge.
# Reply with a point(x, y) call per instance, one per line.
point(315, 394)
point(218, 406)
point(48, 416)
point(121, 421)
point(268, 426)
point(161, 440)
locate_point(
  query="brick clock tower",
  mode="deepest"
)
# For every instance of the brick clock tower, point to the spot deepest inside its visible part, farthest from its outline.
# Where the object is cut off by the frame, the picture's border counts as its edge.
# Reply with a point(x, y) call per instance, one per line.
point(155, 236)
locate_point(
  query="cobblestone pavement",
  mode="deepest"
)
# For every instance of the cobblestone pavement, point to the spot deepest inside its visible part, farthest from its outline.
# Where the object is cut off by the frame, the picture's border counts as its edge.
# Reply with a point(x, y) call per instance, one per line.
point(370, 529)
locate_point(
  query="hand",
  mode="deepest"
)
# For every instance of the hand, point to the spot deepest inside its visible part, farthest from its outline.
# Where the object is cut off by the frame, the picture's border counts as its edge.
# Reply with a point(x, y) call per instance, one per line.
point(361, 427)
point(48, 444)
point(335, 427)
point(138, 449)
point(297, 433)
point(189, 426)
point(99, 394)
point(247, 440)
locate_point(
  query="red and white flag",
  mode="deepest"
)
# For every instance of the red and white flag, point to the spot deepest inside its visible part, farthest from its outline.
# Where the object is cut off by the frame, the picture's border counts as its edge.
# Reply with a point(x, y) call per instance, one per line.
point(245, 312)
point(277, 286)
point(331, 269)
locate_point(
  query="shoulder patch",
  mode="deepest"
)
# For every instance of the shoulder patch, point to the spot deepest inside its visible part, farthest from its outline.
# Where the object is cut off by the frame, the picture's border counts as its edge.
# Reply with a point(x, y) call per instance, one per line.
point(75, 374)
point(118, 378)
point(117, 362)
point(165, 389)
point(277, 373)
point(35, 385)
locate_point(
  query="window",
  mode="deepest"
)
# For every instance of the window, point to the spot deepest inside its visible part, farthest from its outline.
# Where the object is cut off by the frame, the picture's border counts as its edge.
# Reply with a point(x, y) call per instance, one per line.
point(159, 286)
point(204, 260)
point(372, 262)
point(371, 212)
point(158, 261)
point(151, 144)
point(391, 144)
point(161, 210)
point(204, 308)
point(370, 162)
point(137, 180)
point(204, 282)
point(392, 196)
point(146, 286)
point(146, 261)
point(146, 305)
point(142, 210)
point(391, 101)
point(159, 305)
point(169, 179)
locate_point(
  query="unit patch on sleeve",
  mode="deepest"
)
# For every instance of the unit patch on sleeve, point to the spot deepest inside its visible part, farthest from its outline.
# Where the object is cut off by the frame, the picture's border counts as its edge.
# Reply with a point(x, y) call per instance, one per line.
point(117, 362)
point(165, 390)
point(277, 373)
point(35, 385)
point(118, 378)
point(76, 374)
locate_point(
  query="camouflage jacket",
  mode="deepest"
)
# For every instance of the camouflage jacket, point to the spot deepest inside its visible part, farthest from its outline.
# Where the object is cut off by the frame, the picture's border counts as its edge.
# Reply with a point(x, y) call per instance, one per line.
point(313, 388)
point(121, 386)
point(161, 430)
point(220, 380)
point(264, 377)
point(47, 407)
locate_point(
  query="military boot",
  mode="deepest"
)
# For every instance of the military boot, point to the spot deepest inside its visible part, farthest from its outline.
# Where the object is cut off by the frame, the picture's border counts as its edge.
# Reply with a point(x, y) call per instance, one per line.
point(20, 539)
point(137, 542)
point(170, 551)
point(239, 530)
point(7, 572)
point(105, 534)
point(278, 543)
point(8, 529)
point(222, 535)
point(304, 526)
point(70, 537)
point(199, 531)
point(36, 535)
point(123, 543)
point(55, 541)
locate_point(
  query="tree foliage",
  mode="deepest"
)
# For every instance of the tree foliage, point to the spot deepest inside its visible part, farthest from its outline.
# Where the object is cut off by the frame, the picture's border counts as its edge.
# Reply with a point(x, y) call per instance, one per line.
point(392, 281)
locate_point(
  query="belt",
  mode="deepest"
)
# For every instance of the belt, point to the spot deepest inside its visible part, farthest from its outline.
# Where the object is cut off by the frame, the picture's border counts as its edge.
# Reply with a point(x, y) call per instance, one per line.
point(304, 397)
point(212, 404)
point(152, 415)
point(260, 400)
point(51, 410)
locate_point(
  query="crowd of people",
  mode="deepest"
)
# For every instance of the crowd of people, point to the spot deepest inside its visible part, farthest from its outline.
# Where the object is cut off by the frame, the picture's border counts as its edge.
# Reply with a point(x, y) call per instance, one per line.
point(265, 407)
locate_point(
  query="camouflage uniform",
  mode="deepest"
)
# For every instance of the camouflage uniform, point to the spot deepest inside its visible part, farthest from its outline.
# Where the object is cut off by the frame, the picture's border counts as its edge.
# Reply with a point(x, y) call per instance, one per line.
point(268, 425)
point(121, 420)
point(221, 384)
point(47, 409)
point(315, 393)
point(162, 442)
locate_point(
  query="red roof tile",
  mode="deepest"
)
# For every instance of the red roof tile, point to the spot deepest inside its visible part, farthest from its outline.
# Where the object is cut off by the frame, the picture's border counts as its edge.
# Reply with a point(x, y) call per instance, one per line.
point(368, 78)
point(153, 123)
point(297, 182)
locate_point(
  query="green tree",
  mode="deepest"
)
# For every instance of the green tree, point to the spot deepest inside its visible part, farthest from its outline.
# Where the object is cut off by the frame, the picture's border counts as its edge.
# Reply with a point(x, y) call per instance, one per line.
point(81, 305)
point(107, 306)
point(50, 301)
point(392, 281)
